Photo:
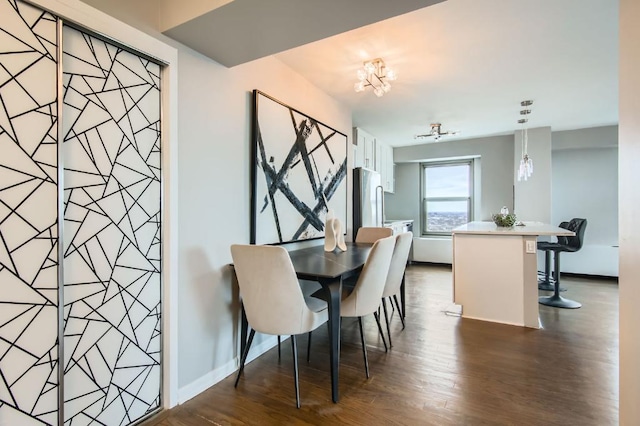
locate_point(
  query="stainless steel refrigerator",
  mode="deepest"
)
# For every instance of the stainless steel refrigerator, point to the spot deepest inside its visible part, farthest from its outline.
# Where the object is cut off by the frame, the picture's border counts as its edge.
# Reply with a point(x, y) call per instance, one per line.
point(368, 199)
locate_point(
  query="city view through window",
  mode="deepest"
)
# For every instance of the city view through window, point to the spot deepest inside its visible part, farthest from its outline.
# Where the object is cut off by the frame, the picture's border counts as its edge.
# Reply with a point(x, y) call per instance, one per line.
point(447, 196)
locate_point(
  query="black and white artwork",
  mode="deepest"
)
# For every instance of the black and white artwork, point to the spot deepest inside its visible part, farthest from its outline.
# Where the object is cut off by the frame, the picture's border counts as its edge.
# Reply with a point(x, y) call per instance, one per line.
point(299, 173)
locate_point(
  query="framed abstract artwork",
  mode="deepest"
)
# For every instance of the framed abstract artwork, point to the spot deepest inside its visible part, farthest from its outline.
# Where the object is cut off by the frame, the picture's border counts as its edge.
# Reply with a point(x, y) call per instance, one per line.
point(298, 174)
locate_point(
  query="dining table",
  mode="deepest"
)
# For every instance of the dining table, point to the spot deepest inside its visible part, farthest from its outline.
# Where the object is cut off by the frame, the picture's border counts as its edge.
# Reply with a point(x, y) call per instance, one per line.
point(329, 269)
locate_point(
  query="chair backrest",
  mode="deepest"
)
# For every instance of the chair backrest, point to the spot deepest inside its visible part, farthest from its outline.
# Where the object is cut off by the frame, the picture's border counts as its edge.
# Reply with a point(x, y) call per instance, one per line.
point(372, 234)
point(270, 290)
point(578, 226)
point(398, 264)
point(366, 295)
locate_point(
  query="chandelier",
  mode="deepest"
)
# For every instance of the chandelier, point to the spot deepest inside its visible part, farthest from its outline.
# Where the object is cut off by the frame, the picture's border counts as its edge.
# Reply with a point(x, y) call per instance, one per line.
point(525, 169)
point(436, 132)
point(375, 74)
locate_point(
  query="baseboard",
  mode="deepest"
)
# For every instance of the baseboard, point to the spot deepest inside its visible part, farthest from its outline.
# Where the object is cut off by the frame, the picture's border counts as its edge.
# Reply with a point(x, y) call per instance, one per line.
point(198, 386)
point(588, 276)
point(444, 265)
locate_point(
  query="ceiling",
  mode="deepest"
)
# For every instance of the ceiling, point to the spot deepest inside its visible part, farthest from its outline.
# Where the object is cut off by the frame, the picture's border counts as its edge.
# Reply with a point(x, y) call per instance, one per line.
point(238, 31)
point(469, 63)
point(464, 63)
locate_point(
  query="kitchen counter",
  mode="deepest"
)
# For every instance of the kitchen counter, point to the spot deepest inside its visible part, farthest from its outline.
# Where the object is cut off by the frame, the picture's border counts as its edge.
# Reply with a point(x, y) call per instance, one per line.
point(529, 228)
point(399, 226)
point(389, 221)
point(495, 271)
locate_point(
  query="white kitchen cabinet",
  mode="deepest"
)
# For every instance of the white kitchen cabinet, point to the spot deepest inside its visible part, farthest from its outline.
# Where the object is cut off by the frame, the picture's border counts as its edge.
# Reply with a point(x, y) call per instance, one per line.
point(387, 168)
point(372, 154)
point(378, 160)
point(366, 149)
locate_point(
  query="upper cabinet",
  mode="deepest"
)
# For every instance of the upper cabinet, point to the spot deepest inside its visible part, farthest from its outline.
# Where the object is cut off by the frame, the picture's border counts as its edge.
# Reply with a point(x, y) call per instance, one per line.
point(365, 149)
point(372, 154)
point(387, 168)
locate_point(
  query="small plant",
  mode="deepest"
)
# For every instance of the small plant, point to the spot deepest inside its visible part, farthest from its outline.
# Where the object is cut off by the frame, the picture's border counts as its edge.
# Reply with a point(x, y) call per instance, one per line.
point(506, 220)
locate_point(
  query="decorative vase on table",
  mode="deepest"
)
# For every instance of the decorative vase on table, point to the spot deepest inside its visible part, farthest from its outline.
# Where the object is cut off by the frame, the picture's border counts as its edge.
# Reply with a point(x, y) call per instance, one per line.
point(504, 219)
point(333, 235)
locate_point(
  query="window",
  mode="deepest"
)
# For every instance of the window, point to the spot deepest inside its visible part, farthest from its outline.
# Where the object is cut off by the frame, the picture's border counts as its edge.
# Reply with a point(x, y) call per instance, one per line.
point(447, 196)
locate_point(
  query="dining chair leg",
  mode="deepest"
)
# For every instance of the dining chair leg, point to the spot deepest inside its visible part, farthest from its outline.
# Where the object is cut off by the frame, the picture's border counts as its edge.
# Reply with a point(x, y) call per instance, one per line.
point(309, 348)
point(395, 299)
point(384, 342)
point(364, 347)
point(278, 348)
point(294, 348)
point(386, 318)
point(403, 296)
point(244, 356)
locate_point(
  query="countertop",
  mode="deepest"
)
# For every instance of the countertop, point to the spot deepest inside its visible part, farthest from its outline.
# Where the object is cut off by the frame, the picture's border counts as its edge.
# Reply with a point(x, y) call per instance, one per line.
point(530, 228)
point(390, 221)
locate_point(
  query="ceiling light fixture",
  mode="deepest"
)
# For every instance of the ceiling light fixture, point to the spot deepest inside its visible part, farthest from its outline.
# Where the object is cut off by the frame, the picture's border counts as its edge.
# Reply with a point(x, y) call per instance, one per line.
point(375, 74)
point(525, 169)
point(436, 132)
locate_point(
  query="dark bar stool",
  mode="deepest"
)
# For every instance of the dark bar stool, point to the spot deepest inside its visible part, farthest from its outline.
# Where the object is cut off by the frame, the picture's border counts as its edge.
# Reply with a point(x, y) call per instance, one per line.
point(564, 244)
point(547, 282)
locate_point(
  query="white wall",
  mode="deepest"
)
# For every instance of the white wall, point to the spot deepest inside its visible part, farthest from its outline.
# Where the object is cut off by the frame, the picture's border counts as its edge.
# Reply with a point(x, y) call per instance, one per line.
point(585, 184)
point(629, 212)
point(215, 104)
point(404, 203)
point(592, 137)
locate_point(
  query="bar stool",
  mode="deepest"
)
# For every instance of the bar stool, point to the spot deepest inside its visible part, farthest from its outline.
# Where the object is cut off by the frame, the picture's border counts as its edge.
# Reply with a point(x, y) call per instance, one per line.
point(570, 245)
point(547, 282)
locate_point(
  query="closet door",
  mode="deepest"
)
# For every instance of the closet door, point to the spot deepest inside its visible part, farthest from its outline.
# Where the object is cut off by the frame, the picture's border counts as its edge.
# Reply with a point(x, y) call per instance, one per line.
point(112, 217)
point(28, 216)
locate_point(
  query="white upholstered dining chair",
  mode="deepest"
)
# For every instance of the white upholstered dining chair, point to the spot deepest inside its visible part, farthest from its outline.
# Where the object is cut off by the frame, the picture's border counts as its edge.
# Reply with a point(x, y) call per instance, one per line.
point(372, 234)
point(367, 293)
point(395, 277)
point(272, 298)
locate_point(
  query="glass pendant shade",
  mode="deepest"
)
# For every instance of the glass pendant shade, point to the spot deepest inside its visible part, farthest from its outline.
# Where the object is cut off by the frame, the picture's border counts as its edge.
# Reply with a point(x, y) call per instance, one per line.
point(525, 168)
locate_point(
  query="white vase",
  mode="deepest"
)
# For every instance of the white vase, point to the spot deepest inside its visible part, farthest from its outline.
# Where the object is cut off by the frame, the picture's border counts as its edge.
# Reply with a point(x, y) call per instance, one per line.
point(329, 235)
point(337, 226)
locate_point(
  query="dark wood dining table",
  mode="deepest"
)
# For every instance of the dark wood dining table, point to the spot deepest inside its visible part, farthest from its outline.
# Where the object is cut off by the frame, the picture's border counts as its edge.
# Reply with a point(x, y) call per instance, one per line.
point(329, 269)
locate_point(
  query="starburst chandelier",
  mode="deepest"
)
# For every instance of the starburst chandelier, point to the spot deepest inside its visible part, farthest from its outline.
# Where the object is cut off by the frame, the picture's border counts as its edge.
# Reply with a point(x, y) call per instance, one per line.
point(376, 75)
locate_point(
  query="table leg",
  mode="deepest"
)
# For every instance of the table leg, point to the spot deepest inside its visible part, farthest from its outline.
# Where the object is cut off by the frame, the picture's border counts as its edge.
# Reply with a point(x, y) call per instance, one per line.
point(334, 291)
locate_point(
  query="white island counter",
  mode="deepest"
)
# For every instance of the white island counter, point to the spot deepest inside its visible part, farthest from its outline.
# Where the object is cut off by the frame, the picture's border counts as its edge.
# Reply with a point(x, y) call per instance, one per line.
point(495, 271)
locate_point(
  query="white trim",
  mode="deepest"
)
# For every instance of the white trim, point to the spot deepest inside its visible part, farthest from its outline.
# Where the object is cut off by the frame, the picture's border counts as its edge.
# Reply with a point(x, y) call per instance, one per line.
point(203, 383)
point(101, 23)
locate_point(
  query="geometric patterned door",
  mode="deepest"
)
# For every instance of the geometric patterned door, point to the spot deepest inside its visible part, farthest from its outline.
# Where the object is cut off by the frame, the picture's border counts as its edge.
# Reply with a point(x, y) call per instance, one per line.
point(28, 216)
point(111, 242)
point(111, 221)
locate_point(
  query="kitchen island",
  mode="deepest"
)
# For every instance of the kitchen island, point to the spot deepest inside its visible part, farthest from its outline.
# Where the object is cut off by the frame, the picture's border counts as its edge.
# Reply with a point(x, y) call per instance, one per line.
point(495, 271)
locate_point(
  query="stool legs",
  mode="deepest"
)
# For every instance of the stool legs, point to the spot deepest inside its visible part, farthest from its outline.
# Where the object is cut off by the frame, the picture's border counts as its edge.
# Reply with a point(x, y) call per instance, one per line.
point(548, 283)
point(556, 300)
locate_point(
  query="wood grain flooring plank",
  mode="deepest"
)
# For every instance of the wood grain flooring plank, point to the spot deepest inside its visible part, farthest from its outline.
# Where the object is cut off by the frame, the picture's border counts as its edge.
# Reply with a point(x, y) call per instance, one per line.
point(442, 369)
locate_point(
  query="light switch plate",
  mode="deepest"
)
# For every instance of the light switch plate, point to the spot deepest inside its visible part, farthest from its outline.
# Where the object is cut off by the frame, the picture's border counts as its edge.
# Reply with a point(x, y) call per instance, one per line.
point(531, 247)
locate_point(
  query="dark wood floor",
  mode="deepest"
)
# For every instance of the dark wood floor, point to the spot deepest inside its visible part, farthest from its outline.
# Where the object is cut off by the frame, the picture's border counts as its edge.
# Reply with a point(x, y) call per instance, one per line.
point(442, 369)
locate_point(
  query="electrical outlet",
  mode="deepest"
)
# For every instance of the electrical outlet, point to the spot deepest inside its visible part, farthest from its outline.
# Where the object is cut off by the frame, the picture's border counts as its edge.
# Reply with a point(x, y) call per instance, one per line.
point(531, 247)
